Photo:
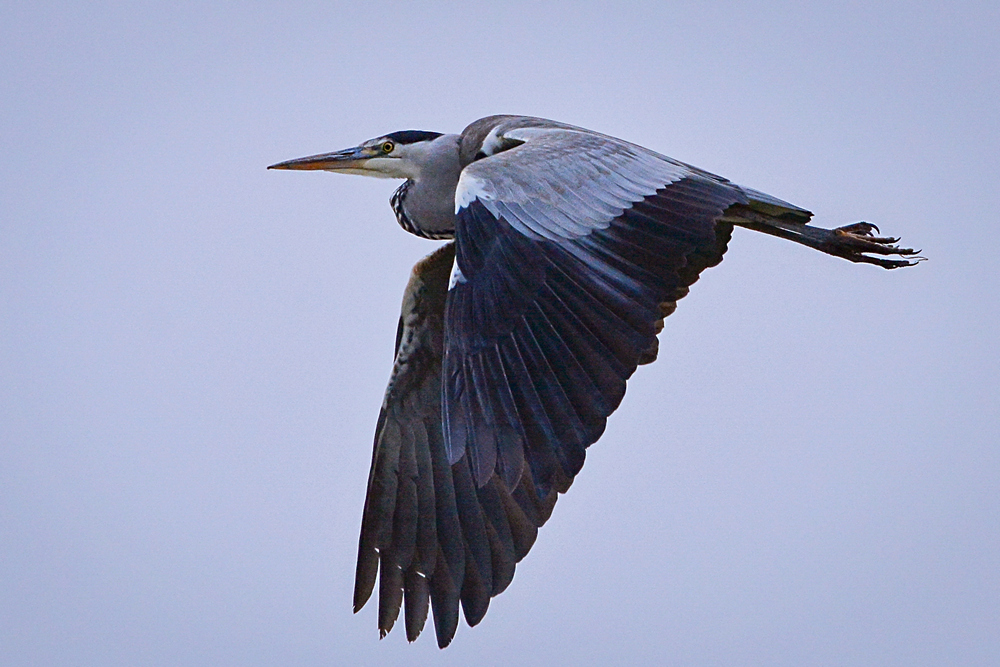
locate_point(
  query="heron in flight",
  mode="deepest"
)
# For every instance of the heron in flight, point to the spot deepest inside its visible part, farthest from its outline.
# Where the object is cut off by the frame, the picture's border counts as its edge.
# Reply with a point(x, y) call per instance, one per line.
point(567, 250)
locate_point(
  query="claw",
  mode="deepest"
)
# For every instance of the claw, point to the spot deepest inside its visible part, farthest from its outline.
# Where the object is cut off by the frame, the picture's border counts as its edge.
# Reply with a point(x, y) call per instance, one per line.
point(860, 228)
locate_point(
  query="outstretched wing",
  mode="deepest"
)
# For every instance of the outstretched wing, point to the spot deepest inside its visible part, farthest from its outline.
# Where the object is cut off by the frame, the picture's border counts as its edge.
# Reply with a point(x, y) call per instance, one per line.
point(426, 523)
point(513, 348)
point(571, 248)
point(515, 343)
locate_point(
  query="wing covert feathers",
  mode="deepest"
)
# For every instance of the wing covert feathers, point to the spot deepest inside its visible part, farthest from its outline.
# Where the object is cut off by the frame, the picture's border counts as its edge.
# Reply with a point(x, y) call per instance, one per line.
point(542, 335)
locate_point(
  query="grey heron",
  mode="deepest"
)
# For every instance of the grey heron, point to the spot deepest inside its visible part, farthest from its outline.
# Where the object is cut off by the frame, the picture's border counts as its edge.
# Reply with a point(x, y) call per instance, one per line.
point(516, 338)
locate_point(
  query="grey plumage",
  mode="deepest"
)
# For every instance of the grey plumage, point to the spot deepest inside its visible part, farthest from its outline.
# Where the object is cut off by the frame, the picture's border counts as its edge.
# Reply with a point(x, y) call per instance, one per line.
point(516, 340)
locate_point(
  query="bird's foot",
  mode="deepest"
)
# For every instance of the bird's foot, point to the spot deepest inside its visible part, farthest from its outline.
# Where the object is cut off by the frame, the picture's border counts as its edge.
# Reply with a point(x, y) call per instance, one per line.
point(857, 243)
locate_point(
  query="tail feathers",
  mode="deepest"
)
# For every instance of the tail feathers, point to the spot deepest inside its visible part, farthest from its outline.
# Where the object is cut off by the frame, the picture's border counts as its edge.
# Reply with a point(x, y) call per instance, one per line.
point(773, 207)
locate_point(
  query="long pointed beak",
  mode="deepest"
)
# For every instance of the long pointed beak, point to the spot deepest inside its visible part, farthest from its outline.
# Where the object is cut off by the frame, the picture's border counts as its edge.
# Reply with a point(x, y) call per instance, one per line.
point(345, 160)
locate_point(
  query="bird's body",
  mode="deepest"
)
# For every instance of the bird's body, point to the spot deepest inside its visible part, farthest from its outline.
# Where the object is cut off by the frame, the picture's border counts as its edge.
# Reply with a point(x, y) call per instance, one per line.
point(515, 340)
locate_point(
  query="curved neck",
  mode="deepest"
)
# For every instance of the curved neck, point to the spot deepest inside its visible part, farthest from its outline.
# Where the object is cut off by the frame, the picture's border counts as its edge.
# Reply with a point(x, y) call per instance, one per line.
point(425, 204)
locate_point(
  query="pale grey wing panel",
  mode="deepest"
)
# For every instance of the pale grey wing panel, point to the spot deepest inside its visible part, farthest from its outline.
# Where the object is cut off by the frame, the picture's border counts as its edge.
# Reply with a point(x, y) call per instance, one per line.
point(429, 535)
point(555, 180)
point(558, 183)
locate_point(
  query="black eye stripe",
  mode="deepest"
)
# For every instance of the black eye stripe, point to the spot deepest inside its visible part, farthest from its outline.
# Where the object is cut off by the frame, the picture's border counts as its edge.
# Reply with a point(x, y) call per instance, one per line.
point(412, 136)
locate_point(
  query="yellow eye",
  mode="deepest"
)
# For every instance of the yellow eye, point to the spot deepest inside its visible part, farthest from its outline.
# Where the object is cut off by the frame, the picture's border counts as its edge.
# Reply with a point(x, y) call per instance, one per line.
point(387, 147)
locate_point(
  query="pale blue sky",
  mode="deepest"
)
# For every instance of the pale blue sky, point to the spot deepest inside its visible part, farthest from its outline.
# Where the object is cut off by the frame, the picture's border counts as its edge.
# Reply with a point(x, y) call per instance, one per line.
point(193, 350)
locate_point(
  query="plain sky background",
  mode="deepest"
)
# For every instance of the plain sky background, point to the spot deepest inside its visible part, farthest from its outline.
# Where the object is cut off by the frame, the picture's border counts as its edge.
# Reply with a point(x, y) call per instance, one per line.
point(193, 349)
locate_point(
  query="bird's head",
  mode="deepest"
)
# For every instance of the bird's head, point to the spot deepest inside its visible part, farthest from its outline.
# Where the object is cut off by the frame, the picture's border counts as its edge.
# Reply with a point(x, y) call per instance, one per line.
point(396, 155)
